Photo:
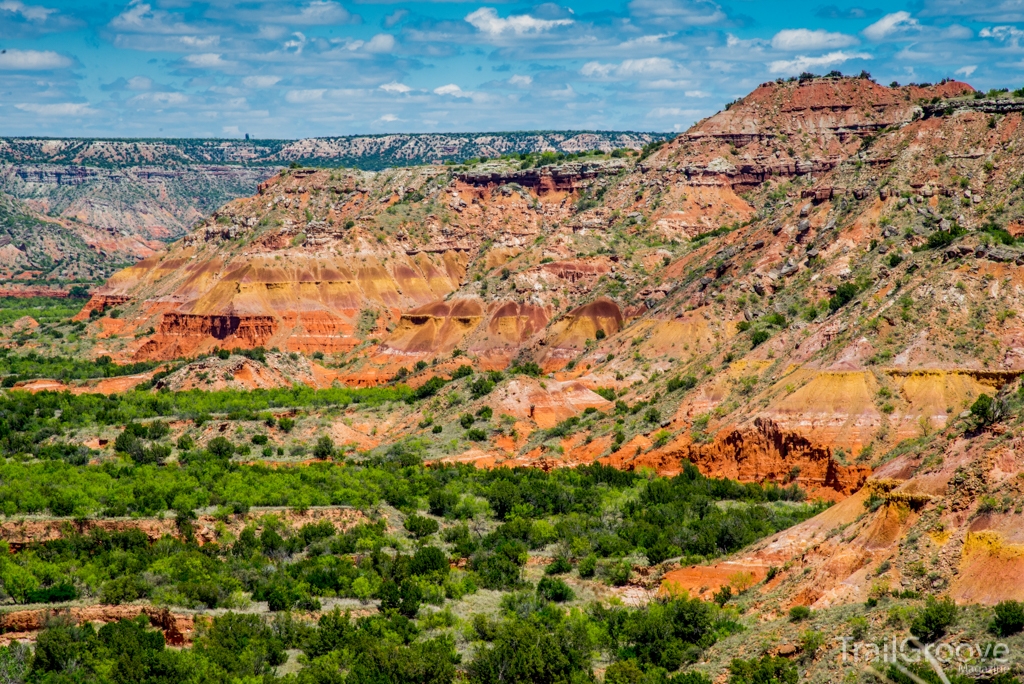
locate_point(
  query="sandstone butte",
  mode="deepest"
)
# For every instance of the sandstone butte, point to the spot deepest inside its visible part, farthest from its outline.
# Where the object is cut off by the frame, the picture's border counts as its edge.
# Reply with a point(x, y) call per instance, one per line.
point(822, 259)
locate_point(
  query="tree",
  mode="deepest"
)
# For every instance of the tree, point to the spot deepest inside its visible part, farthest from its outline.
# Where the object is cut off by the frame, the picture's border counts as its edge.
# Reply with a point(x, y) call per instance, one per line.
point(844, 294)
point(324, 448)
point(763, 670)
point(937, 616)
point(983, 409)
point(1009, 618)
point(554, 589)
point(421, 526)
point(524, 651)
point(220, 447)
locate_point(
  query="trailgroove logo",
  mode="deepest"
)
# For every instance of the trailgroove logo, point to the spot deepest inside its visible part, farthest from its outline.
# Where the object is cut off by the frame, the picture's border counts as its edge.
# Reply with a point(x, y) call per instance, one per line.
point(965, 658)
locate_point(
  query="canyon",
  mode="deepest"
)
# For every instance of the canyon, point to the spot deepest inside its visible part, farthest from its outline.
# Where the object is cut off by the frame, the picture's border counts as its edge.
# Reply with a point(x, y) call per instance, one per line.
point(818, 287)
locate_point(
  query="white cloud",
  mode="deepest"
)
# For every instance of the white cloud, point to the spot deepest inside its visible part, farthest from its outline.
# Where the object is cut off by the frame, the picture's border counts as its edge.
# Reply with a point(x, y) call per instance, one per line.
point(673, 113)
point(318, 13)
point(302, 96)
point(140, 83)
point(1010, 34)
point(380, 43)
point(749, 44)
point(803, 63)
point(451, 89)
point(389, 118)
point(199, 43)
point(518, 80)
point(260, 81)
point(486, 20)
point(891, 25)
point(648, 67)
point(159, 99)
point(57, 109)
point(33, 60)
point(208, 60)
point(696, 93)
point(966, 71)
point(805, 39)
point(672, 12)
point(30, 12)
point(140, 17)
point(395, 87)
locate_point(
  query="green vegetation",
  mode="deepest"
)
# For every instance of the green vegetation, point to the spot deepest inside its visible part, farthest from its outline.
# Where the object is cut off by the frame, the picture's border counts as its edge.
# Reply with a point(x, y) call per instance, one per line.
point(16, 367)
point(464, 529)
point(44, 310)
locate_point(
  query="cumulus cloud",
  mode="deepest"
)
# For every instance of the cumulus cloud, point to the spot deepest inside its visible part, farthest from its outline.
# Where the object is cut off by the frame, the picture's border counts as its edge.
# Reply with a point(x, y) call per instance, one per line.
point(395, 17)
point(57, 109)
point(34, 13)
point(33, 60)
point(305, 96)
point(159, 99)
point(966, 71)
point(648, 67)
point(140, 17)
point(486, 20)
point(316, 13)
point(382, 42)
point(208, 60)
point(518, 80)
point(139, 83)
point(892, 25)
point(678, 12)
point(395, 87)
point(452, 90)
point(805, 39)
point(672, 112)
point(803, 63)
point(833, 12)
point(260, 81)
point(980, 10)
point(1009, 34)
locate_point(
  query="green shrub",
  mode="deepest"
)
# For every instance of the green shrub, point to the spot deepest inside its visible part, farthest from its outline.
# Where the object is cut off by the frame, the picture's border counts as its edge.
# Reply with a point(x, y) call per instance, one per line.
point(528, 368)
point(462, 372)
point(587, 566)
point(420, 526)
point(844, 295)
point(1009, 618)
point(324, 448)
point(220, 447)
point(763, 670)
point(286, 424)
point(758, 337)
point(558, 566)
point(798, 613)
point(933, 621)
point(983, 408)
point(554, 589)
point(687, 382)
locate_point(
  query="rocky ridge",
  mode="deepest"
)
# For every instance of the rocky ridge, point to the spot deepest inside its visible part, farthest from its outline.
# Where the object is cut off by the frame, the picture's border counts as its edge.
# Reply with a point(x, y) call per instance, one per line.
point(812, 287)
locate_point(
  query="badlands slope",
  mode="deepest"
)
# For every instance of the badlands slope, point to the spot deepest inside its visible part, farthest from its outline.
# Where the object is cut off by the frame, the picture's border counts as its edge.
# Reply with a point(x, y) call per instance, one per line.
point(813, 287)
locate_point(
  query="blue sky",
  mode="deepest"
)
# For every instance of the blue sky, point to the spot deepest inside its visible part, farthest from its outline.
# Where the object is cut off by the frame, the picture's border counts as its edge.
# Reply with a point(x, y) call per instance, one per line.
point(289, 69)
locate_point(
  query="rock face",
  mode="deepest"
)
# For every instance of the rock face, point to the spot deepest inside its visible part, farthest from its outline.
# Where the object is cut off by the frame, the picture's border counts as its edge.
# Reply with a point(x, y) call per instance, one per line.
point(813, 287)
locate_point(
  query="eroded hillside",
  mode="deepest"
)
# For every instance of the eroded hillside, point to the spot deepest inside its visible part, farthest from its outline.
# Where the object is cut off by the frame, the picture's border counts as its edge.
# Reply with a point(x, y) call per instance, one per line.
point(804, 288)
